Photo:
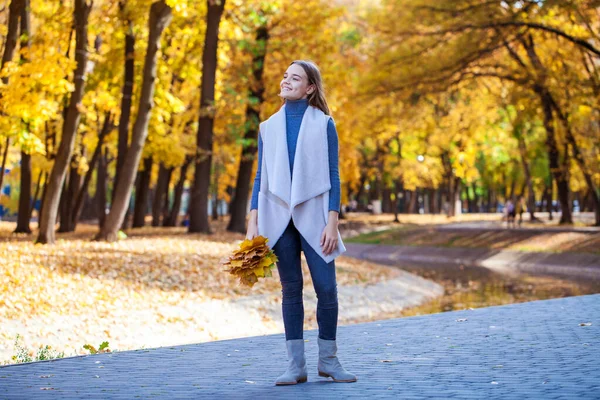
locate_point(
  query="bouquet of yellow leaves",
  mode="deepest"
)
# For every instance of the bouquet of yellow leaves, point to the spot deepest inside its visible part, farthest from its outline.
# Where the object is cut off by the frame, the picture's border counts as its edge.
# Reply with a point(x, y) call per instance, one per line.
point(253, 260)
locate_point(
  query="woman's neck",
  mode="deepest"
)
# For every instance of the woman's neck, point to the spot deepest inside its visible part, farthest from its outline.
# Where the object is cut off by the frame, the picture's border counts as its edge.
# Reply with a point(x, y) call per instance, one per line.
point(296, 106)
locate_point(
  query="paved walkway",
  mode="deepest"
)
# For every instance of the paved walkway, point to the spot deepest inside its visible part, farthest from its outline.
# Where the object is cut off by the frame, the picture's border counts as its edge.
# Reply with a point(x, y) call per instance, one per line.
point(582, 265)
point(537, 350)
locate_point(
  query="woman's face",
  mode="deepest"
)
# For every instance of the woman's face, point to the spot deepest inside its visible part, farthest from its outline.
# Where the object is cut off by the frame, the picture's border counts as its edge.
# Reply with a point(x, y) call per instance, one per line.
point(294, 85)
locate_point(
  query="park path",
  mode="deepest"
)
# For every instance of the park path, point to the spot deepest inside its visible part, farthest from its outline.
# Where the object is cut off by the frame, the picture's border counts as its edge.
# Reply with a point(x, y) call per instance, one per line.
point(578, 265)
point(543, 349)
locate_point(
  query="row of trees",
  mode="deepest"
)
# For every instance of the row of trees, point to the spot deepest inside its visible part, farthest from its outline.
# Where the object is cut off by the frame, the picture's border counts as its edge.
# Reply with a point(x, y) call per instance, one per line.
point(518, 74)
point(474, 98)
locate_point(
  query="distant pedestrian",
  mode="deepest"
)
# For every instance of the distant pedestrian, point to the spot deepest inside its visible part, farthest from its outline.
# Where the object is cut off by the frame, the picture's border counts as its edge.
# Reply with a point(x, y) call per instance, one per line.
point(510, 213)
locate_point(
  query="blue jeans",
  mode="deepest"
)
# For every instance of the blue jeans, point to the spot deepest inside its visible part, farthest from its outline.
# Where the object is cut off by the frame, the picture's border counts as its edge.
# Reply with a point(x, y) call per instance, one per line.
point(287, 249)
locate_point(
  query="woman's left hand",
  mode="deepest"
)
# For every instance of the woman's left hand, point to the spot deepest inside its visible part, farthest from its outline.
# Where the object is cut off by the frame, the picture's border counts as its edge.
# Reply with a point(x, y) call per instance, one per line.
point(329, 237)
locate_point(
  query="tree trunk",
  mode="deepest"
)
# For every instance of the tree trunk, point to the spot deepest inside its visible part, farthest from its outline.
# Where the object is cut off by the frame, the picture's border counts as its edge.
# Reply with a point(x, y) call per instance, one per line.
point(141, 194)
point(162, 191)
point(199, 195)
point(239, 204)
point(361, 192)
point(432, 201)
point(549, 196)
point(558, 173)
point(177, 195)
point(38, 186)
point(412, 205)
point(215, 201)
point(453, 195)
point(24, 195)
point(72, 188)
point(546, 100)
point(215, 206)
point(587, 174)
point(386, 202)
point(3, 165)
point(528, 180)
point(57, 176)
point(15, 11)
point(24, 213)
point(160, 16)
point(165, 209)
point(101, 183)
point(470, 199)
point(125, 102)
point(42, 199)
point(511, 191)
point(81, 194)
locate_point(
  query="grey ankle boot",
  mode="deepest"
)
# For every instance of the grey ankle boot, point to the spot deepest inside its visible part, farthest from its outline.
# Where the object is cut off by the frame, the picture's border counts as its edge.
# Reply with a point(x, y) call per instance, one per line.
point(296, 371)
point(329, 366)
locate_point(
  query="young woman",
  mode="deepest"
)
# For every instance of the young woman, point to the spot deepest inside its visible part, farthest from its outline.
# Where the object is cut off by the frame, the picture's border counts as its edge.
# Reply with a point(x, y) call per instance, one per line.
point(295, 204)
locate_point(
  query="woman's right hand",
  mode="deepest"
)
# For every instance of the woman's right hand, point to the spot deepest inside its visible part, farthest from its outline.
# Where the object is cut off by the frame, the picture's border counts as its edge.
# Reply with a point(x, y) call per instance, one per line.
point(252, 225)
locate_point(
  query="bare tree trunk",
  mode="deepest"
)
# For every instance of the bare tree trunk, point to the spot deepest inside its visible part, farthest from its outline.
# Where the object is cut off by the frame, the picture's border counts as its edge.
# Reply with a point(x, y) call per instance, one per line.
point(81, 194)
point(141, 194)
point(24, 212)
point(14, 13)
point(161, 191)
point(395, 205)
point(548, 193)
point(386, 201)
point(412, 205)
point(42, 199)
point(125, 102)
point(172, 220)
point(24, 195)
point(4, 158)
point(528, 180)
point(71, 189)
point(239, 204)
point(215, 206)
point(57, 176)
point(215, 188)
point(199, 196)
point(38, 186)
point(432, 201)
point(101, 183)
point(361, 192)
point(160, 17)
point(165, 208)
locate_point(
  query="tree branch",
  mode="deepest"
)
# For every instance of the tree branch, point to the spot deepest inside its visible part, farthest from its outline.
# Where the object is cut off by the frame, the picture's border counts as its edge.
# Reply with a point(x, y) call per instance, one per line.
point(533, 25)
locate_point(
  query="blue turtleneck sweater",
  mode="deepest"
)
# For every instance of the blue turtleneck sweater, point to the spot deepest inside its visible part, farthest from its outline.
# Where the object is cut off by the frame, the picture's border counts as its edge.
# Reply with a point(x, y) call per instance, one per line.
point(294, 111)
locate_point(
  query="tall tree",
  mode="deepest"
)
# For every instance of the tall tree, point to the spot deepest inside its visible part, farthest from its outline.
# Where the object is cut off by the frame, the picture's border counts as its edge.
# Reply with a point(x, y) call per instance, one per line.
point(198, 208)
point(10, 44)
point(69, 131)
point(126, 100)
point(25, 205)
point(160, 17)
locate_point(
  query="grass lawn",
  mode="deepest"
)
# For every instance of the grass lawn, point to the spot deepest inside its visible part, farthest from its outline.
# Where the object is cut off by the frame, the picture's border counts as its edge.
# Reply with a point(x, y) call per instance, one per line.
point(513, 239)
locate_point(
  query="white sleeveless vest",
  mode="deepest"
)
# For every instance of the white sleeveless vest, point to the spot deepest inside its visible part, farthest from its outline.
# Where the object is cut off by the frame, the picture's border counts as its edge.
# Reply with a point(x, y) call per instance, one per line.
point(303, 197)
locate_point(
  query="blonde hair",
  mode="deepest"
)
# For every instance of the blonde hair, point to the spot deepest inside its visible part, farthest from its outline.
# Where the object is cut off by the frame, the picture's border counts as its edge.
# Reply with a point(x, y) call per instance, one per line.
point(317, 97)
